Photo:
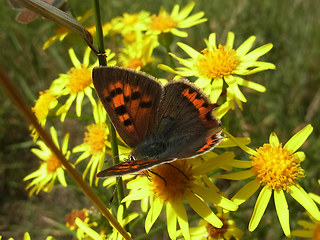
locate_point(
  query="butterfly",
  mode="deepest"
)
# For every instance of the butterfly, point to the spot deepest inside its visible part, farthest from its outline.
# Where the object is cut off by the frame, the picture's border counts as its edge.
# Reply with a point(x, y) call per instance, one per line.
point(160, 123)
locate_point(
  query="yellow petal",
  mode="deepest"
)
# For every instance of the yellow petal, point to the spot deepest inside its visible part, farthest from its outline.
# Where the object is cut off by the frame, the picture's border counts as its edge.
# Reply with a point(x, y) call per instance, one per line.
point(210, 195)
point(315, 197)
point(244, 48)
point(282, 211)
point(227, 142)
point(171, 221)
point(203, 210)
point(240, 144)
point(299, 138)
point(153, 213)
point(246, 192)
point(182, 218)
point(273, 139)
point(237, 175)
point(298, 193)
point(259, 208)
point(189, 50)
point(230, 40)
point(302, 233)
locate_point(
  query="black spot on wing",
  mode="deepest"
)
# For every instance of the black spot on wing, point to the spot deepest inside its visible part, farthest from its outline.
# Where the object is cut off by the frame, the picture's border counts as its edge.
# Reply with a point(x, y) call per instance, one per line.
point(121, 110)
point(147, 104)
point(135, 95)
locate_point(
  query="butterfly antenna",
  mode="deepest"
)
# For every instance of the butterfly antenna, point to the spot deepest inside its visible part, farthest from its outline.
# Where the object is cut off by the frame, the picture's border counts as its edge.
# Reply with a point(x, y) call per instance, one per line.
point(179, 170)
point(157, 174)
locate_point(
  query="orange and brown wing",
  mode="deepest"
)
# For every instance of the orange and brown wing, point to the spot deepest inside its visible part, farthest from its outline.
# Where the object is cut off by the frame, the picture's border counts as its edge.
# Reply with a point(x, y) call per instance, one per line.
point(130, 98)
point(132, 166)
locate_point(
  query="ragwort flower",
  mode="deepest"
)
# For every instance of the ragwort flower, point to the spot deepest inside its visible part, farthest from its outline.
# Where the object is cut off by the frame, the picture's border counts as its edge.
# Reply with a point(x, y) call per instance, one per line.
point(50, 168)
point(171, 23)
point(171, 184)
point(96, 144)
point(77, 82)
point(46, 102)
point(277, 168)
point(310, 230)
point(138, 54)
point(205, 230)
point(214, 65)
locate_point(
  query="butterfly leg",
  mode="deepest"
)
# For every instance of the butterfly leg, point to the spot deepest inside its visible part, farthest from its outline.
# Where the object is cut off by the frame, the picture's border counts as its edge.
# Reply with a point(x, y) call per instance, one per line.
point(165, 182)
point(178, 169)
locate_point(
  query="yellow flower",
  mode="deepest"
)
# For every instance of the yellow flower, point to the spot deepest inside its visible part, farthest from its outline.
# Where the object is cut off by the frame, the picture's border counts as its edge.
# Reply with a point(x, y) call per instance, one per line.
point(46, 102)
point(96, 144)
point(123, 221)
point(26, 236)
point(170, 184)
point(78, 82)
point(223, 63)
point(277, 168)
point(85, 231)
point(138, 54)
point(205, 230)
point(129, 23)
point(62, 32)
point(171, 23)
point(50, 168)
point(311, 230)
point(71, 218)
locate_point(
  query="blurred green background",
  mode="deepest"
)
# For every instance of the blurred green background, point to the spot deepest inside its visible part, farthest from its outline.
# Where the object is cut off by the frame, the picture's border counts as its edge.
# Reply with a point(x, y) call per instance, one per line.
point(291, 101)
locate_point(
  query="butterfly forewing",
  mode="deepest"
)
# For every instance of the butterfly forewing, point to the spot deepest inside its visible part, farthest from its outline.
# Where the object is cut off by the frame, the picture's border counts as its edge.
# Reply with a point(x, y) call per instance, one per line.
point(131, 100)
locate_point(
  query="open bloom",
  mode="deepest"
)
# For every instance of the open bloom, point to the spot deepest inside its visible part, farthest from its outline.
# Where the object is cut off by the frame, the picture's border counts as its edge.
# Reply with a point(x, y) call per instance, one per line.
point(277, 168)
point(129, 23)
point(205, 230)
point(171, 184)
point(77, 82)
point(50, 168)
point(138, 54)
point(95, 144)
point(310, 230)
point(164, 22)
point(217, 64)
point(46, 102)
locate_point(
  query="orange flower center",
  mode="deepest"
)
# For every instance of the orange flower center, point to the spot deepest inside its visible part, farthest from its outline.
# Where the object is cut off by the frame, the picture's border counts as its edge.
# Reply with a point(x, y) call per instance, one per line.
point(53, 163)
point(217, 63)
point(217, 233)
point(79, 79)
point(162, 23)
point(71, 218)
point(96, 137)
point(172, 181)
point(276, 167)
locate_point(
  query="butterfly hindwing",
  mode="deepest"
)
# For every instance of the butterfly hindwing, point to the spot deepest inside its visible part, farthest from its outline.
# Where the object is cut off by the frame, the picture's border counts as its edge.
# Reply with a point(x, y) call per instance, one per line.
point(132, 166)
point(187, 120)
point(131, 100)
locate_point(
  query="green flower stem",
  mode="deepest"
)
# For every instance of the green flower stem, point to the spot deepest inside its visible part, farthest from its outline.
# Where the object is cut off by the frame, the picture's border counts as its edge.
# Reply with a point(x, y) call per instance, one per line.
point(102, 61)
point(25, 110)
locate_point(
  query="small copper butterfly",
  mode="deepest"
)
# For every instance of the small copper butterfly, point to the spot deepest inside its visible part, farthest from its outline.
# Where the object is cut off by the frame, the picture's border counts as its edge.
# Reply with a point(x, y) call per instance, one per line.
point(161, 124)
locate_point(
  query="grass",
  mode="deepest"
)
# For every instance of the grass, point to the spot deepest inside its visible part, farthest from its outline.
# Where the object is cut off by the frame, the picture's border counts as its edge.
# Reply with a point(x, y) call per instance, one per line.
point(290, 102)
